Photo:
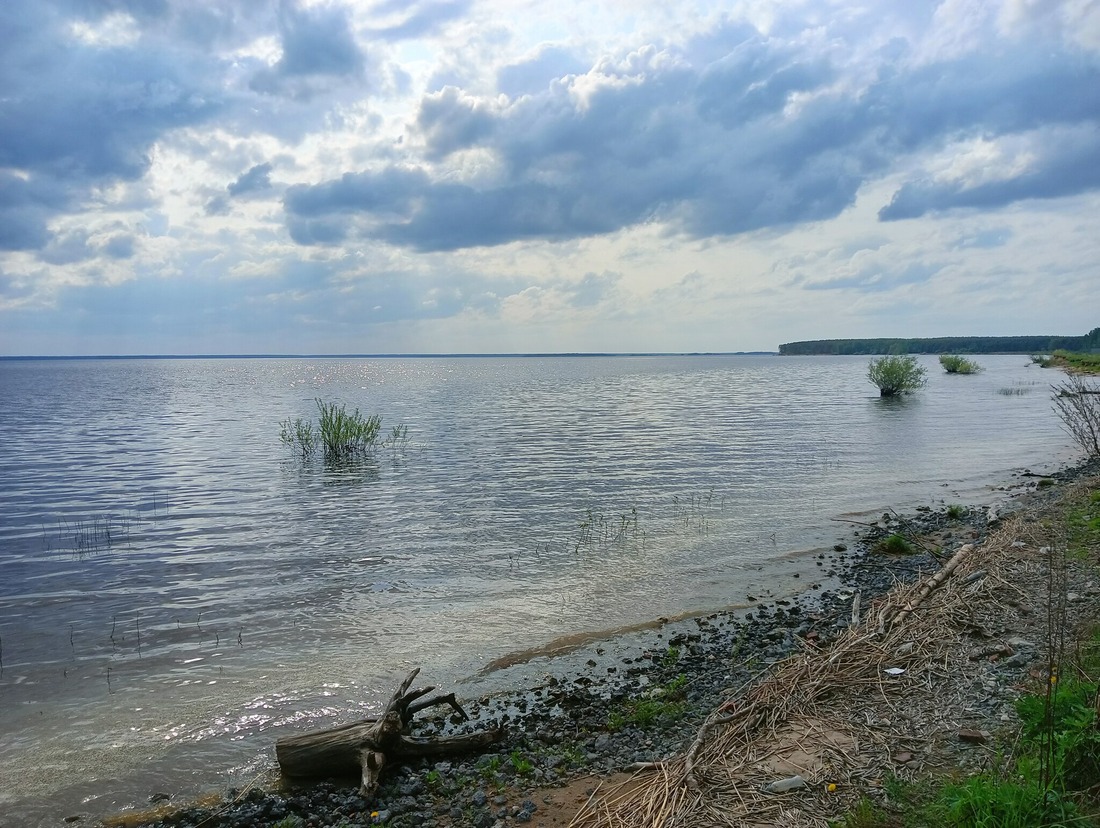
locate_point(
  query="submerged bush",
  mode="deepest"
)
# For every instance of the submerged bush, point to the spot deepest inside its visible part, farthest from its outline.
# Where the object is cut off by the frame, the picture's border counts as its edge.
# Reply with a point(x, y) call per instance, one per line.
point(955, 364)
point(339, 434)
point(896, 374)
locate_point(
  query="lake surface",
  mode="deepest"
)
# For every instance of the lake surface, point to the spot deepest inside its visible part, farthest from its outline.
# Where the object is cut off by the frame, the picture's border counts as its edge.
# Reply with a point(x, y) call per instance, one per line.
point(178, 589)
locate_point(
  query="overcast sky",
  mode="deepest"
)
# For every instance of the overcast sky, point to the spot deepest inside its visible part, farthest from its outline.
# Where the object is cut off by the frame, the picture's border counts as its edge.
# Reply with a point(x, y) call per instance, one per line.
point(240, 176)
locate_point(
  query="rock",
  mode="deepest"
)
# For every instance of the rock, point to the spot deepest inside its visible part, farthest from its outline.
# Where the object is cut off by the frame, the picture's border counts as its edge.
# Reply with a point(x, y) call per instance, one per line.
point(974, 737)
point(903, 757)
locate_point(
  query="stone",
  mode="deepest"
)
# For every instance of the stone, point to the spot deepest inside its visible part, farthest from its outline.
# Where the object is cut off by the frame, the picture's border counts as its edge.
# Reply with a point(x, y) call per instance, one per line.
point(974, 737)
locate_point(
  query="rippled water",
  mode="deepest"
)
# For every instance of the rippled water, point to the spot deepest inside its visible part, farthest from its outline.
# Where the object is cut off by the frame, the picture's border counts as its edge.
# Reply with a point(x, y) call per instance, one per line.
point(177, 588)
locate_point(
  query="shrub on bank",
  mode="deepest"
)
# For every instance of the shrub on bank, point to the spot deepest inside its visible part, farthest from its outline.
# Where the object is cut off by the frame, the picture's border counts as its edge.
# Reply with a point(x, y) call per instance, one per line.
point(1077, 402)
point(896, 374)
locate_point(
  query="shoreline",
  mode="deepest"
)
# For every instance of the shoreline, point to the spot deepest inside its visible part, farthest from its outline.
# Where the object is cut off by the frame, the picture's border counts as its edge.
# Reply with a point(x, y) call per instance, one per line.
point(599, 718)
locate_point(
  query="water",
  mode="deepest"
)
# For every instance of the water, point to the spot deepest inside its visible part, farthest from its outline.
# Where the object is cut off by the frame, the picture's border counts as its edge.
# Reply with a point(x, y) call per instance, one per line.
point(177, 589)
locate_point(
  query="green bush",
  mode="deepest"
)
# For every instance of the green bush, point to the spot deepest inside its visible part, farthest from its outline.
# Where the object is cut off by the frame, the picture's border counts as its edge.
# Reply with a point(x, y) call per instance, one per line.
point(1065, 725)
point(896, 374)
point(341, 435)
point(955, 364)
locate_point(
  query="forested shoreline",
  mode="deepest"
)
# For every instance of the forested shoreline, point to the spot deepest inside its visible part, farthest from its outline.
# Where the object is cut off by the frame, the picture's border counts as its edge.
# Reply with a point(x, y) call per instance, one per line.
point(1044, 344)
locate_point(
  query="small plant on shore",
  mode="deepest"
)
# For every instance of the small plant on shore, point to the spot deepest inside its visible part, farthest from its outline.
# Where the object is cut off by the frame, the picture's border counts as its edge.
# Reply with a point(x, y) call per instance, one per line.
point(664, 704)
point(956, 511)
point(292, 821)
point(894, 375)
point(955, 364)
point(489, 767)
point(671, 657)
point(1077, 403)
point(520, 763)
point(894, 545)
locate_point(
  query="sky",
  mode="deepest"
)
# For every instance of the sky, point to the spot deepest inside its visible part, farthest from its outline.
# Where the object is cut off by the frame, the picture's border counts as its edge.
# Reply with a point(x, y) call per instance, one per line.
point(491, 176)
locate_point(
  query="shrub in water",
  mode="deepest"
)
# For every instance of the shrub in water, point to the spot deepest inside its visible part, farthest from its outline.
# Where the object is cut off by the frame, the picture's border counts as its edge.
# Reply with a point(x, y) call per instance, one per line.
point(955, 364)
point(896, 374)
point(339, 433)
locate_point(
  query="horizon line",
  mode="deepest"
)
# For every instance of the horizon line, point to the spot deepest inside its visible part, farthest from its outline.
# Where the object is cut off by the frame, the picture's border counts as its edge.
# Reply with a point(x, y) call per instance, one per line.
point(423, 355)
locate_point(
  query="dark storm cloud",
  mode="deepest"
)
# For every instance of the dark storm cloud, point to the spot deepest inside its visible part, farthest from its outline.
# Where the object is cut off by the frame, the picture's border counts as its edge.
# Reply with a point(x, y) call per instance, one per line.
point(92, 112)
point(25, 207)
point(256, 179)
point(317, 42)
point(74, 116)
point(1059, 166)
point(450, 121)
point(727, 134)
point(319, 50)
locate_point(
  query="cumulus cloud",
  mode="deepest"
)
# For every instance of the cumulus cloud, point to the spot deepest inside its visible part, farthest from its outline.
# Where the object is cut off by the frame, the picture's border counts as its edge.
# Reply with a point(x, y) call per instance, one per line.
point(256, 179)
point(534, 74)
point(416, 18)
point(759, 134)
point(318, 46)
point(439, 138)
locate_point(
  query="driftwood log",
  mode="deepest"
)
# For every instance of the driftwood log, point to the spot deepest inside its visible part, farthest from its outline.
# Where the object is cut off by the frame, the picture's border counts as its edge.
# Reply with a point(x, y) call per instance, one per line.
point(365, 746)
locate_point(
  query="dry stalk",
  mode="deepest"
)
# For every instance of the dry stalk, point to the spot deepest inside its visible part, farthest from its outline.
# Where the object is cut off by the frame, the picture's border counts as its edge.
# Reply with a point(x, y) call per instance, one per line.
point(719, 781)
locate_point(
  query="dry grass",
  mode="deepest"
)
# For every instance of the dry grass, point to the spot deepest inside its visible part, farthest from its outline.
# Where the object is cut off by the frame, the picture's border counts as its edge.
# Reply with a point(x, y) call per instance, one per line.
point(888, 697)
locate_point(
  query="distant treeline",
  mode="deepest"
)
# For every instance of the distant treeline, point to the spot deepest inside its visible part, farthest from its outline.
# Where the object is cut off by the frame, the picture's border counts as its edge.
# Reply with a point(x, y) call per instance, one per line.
point(947, 345)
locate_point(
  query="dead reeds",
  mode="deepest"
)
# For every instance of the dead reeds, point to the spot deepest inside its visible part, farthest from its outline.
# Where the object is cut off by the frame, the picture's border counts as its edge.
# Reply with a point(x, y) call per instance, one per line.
point(819, 714)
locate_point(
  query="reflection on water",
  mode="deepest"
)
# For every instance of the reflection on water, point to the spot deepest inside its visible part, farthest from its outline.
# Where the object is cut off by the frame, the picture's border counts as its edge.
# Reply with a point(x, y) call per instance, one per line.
point(177, 587)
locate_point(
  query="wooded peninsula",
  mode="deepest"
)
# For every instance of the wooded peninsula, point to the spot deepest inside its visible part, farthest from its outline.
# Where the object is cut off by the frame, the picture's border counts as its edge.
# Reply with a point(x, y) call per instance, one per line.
point(1088, 343)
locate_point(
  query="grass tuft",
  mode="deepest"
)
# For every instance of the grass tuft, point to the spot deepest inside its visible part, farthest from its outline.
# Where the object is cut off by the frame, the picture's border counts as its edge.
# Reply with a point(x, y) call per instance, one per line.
point(895, 545)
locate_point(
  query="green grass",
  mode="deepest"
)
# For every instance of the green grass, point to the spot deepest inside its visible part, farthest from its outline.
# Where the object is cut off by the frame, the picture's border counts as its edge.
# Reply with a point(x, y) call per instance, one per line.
point(955, 364)
point(956, 511)
point(664, 705)
point(1084, 363)
point(521, 764)
point(1083, 527)
point(985, 801)
point(895, 545)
